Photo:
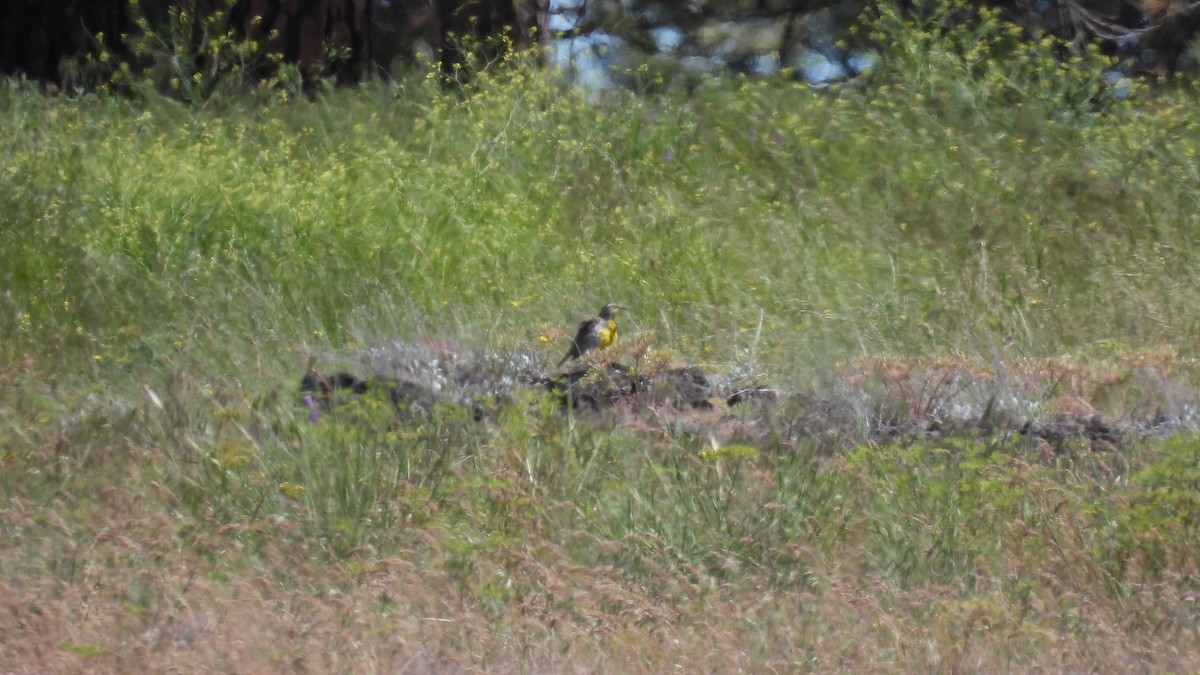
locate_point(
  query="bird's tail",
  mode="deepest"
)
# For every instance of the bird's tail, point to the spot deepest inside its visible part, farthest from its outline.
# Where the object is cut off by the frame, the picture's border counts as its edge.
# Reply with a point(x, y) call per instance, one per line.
point(572, 353)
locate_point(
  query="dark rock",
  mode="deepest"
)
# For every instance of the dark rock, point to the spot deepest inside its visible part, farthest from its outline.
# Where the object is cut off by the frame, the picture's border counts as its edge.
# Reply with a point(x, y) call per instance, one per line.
point(326, 385)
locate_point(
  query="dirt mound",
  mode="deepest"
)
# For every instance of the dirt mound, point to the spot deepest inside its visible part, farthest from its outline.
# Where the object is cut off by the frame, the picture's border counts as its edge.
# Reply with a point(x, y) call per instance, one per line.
point(1048, 403)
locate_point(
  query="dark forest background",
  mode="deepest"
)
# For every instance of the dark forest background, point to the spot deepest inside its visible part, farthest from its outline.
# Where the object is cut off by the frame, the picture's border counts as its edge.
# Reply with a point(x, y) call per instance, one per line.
point(348, 41)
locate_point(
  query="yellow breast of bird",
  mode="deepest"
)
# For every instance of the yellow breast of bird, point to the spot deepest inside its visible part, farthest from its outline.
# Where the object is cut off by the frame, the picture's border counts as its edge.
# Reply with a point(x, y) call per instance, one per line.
point(608, 333)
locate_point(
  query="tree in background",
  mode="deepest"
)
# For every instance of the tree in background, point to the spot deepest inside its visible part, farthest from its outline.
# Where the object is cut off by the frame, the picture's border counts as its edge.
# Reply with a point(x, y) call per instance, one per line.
point(36, 36)
point(186, 46)
point(1156, 37)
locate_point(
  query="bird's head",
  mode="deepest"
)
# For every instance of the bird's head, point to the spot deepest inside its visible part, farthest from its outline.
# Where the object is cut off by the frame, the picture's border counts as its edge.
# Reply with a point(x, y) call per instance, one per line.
point(610, 310)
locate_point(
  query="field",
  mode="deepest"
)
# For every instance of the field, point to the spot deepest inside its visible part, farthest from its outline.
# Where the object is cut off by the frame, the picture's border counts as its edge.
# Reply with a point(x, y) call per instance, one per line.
point(964, 287)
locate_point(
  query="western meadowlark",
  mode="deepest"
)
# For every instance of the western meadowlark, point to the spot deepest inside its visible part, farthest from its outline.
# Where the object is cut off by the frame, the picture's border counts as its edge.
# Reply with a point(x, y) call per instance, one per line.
point(595, 332)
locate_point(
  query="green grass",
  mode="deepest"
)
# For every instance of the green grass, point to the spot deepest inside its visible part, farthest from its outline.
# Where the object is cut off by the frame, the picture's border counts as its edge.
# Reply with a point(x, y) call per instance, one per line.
point(972, 206)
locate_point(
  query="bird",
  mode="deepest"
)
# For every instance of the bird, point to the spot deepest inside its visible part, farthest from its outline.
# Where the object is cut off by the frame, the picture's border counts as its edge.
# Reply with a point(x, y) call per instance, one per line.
point(595, 332)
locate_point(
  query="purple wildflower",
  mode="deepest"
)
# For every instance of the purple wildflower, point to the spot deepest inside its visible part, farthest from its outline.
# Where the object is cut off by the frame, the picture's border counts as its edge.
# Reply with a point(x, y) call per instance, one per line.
point(314, 411)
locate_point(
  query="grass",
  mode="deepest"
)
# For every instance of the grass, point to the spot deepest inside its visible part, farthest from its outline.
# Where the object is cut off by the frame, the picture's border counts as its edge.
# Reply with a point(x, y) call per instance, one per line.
point(972, 221)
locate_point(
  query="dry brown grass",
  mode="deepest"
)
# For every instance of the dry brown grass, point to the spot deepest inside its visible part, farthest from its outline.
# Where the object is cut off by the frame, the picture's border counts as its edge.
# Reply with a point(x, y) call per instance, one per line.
point(510, 570)
point(136, 604)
